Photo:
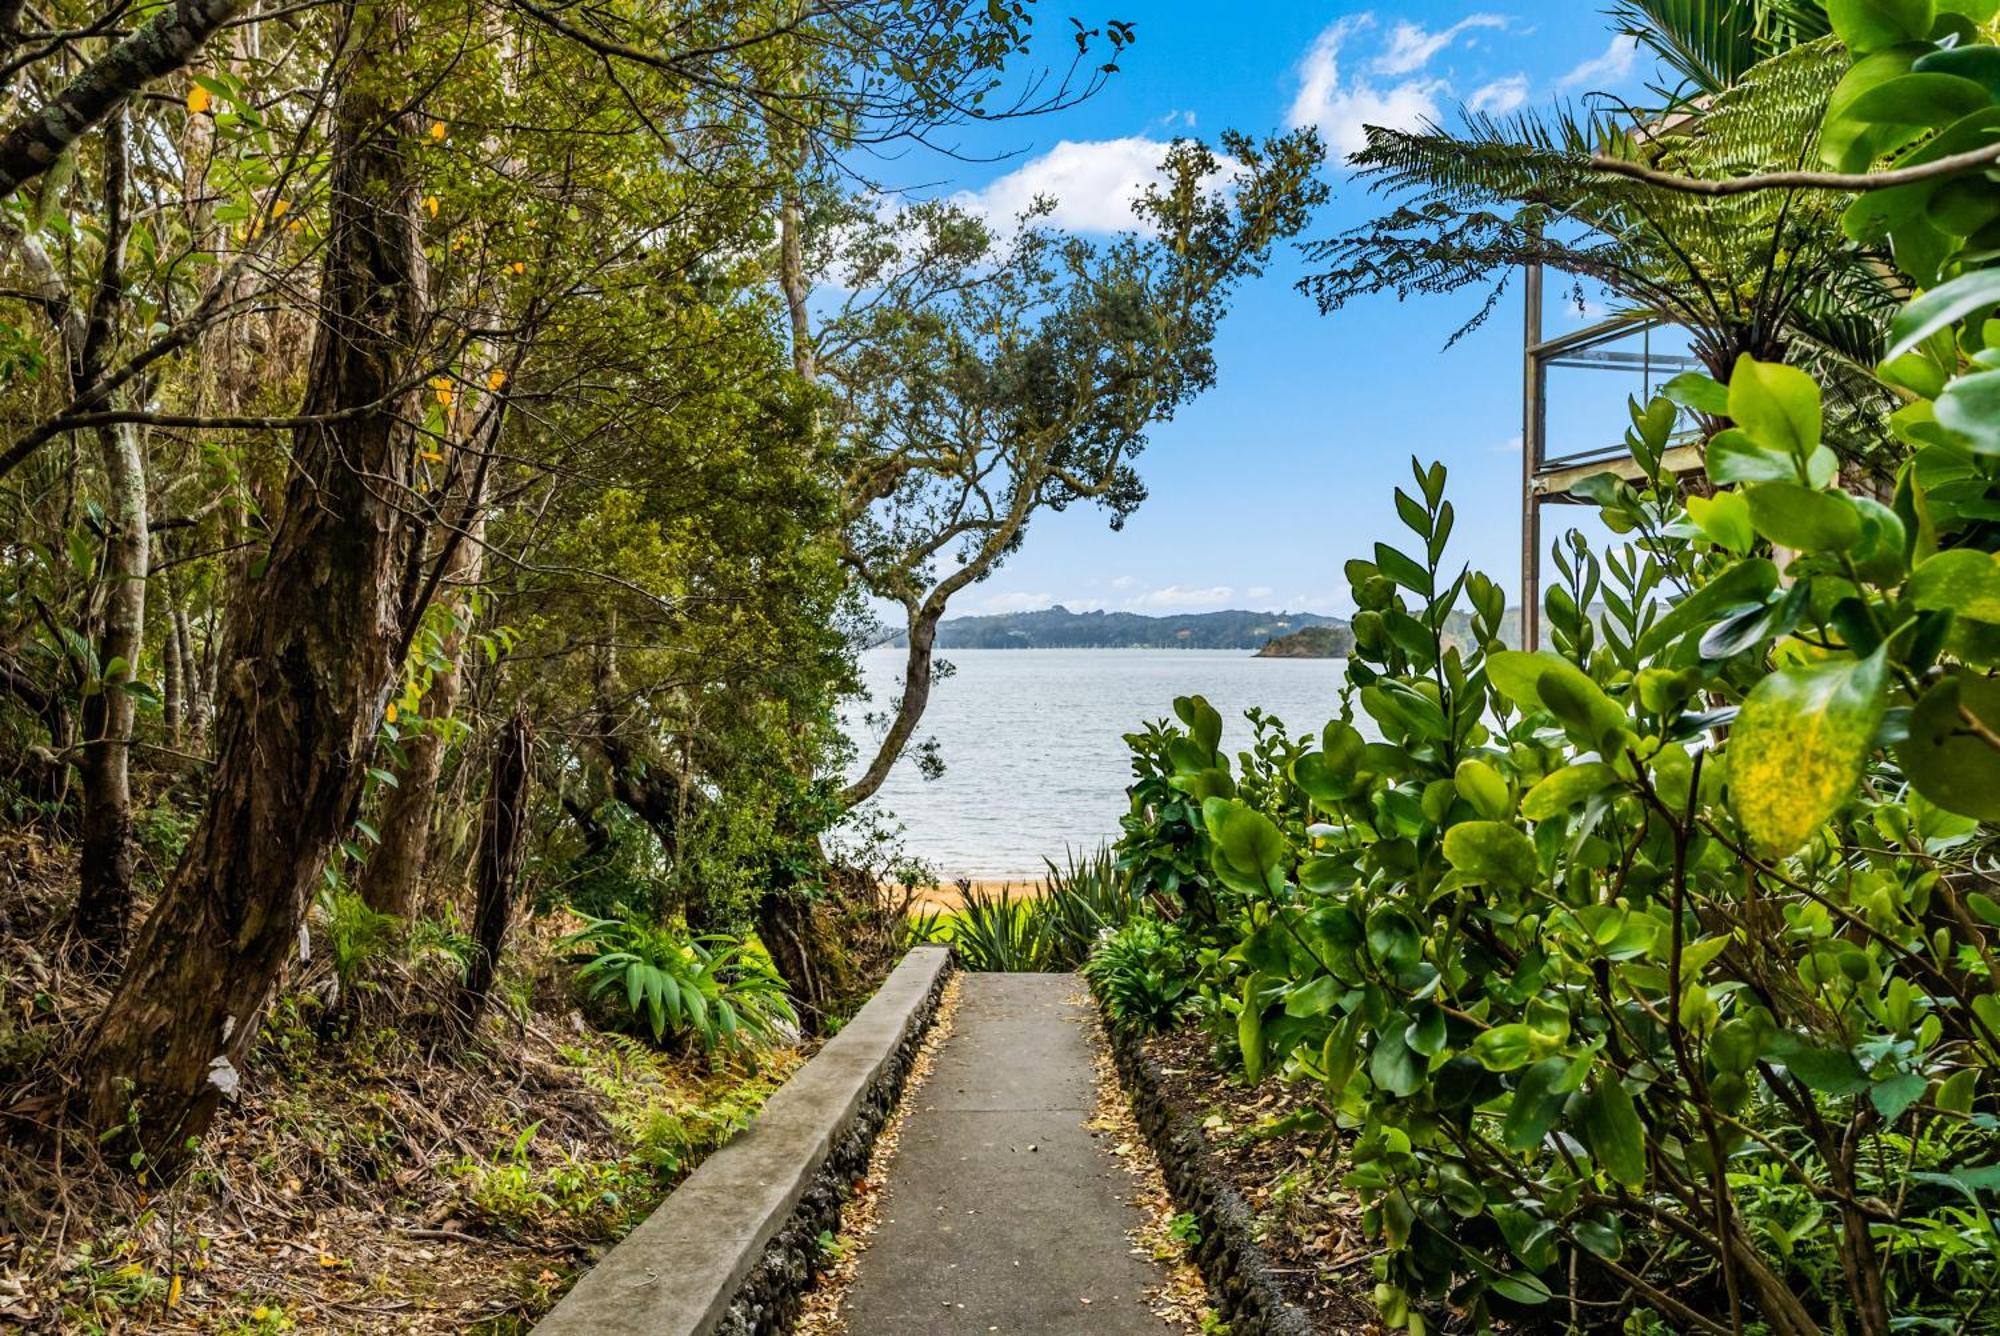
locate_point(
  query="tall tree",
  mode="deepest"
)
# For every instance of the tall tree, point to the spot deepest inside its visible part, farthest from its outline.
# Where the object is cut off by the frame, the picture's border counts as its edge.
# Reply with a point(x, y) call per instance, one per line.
point(312, 655)
point(982, 380)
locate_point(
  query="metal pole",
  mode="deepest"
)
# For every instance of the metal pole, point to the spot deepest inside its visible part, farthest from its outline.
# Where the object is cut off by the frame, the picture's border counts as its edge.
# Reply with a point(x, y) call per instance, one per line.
point(1533, 428)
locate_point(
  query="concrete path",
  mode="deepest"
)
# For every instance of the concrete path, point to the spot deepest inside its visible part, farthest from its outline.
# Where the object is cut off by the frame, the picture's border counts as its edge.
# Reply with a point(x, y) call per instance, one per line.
point(1002, 1212)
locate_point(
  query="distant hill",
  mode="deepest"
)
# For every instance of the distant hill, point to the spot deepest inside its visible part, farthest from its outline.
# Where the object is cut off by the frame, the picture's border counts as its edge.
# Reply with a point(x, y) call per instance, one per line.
point(1059, 628)
point(1312, 642)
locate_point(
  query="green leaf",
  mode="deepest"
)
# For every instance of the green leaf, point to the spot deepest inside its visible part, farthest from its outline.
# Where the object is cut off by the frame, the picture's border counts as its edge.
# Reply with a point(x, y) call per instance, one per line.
point(1325, 779)
point(1970, 406)
point(1798, 745)
point(1945, 758)
point(1504, 1047)
point(1203, 721)
point(1776, 405)
point(1248, 850)
point(1493, 853)
point(1962, 581)
point(1558, 792)
point(1956, 1092)
point(1393, 939)
point(1517, 674)
point(1930, 100)
point(1426, 1034)
point(1522, 1287)
point(1866, 25)
point(1944, 305)
point(1891, 1097)
point(1314, 998)
point(1805, 520)
point(1830, 1071)
point(1733, 456)
point(1981, 64)
point(1699, 391)
point(1592, 718)
point(1750, 581)
point(1403, 570)
point(1613, 1132)
point(1480, 784)
point(1250, 1029)
point(1537, 1103)
point(1392, 1066)
point(1724, 519)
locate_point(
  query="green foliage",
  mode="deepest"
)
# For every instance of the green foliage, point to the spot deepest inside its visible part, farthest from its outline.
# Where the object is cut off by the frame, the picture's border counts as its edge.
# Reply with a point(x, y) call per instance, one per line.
point(1592, 948)
point(1050, 929)
point(1143, 974)
point(356, 935)
point(717, 990)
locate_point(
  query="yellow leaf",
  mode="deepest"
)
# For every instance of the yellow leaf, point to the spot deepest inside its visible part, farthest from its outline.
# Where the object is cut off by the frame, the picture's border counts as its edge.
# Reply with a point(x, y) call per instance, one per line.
point(279, 207)
point(437, 129)
point(392, 712)
point(495, 378)
point(199, 99)
point(520, 268)
point(174, 1292)
point(431, 203)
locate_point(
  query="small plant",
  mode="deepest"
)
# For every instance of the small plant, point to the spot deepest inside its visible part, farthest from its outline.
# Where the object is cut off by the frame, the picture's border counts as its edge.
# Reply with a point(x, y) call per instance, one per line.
point(1185, 1229)
point(1144, 973)
point(355, 934)
point(716, 989)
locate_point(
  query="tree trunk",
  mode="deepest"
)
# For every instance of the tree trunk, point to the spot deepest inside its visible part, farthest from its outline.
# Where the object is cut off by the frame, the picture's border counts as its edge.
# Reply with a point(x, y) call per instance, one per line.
point(173, 684)
point(194, 697)
point(104, 897)
point(159, 46)
point(390, 878)
point(311, 657)
point(909, 711)
point(500, 830)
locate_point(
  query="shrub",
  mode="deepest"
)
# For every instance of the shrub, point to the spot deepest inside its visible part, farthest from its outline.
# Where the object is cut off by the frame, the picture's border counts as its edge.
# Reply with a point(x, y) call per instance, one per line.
point(1650, 972)
point(1144, 974)
point(1051, 930)
point(717, 990)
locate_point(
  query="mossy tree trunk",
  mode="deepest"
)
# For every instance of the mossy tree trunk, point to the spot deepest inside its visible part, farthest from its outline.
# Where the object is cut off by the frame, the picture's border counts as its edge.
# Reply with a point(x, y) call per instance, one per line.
point(311, 656)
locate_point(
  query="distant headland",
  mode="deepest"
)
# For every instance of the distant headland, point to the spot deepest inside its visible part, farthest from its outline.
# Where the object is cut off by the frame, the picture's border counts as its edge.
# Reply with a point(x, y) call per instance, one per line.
point(1059, 628)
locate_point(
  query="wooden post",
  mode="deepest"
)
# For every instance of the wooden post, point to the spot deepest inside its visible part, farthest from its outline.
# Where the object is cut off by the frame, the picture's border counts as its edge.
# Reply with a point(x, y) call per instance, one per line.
point(1534, 424)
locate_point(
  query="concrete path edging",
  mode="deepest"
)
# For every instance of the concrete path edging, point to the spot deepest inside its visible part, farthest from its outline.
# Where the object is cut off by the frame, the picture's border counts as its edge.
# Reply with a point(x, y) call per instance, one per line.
point(731, 1249)
point(1241, 1281)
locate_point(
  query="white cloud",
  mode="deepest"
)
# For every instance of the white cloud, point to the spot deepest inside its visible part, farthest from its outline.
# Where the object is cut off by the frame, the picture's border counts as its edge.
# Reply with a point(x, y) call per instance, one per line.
point(1123, 582)
point(994, 603)
point(1182, 598)
point(1615, 64)
point(1341, 106)
point(1412, 46)
point(1092, 183)
point(1257, 592)
point(1501, 96)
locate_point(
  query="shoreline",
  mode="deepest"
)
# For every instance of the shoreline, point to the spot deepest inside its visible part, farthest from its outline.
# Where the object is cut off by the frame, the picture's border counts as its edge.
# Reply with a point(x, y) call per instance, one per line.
point(945, 895)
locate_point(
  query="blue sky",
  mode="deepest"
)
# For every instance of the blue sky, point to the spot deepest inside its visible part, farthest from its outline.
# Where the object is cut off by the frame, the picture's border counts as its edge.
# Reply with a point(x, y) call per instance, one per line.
point(1262, 490)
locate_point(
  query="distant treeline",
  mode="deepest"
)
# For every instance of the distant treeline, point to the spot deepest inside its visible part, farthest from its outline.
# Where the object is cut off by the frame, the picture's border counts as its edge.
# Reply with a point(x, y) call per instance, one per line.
point(1059, 628)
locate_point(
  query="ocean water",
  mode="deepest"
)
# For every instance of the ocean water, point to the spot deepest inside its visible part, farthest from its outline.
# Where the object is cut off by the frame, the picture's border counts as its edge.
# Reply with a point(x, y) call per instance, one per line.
point(1033, 741)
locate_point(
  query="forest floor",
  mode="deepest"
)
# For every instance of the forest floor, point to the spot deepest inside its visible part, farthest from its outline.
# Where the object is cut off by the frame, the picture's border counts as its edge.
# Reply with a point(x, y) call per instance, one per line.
point(374, 1175)
point(1266, 1140)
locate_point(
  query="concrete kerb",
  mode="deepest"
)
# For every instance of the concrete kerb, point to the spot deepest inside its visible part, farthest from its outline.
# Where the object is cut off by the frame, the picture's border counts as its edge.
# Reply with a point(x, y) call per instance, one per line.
point(1242, 1283)
point(729, 1250)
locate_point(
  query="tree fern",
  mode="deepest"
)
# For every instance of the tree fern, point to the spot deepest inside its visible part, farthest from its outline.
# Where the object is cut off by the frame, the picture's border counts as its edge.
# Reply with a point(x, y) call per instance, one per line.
point(1742, 274)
